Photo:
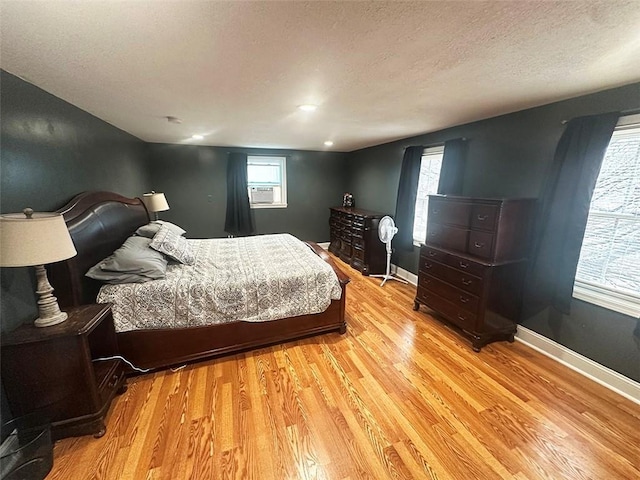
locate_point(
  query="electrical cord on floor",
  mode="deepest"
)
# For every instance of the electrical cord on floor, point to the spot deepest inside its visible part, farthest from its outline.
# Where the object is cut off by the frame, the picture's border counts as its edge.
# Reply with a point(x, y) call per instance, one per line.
point(118, 357)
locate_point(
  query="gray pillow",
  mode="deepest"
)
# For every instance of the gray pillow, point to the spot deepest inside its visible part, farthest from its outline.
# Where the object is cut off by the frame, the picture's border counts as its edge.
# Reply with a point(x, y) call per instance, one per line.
point(174, 246)
point(150, 229)
point(133, 262)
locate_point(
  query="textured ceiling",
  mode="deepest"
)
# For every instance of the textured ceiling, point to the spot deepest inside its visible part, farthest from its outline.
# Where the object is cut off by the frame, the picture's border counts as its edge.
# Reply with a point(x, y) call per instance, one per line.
point(379, 71)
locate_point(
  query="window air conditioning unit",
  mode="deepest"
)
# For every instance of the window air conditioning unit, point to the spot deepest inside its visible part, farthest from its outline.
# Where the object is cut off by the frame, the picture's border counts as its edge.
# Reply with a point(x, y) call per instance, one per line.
point(261, 194)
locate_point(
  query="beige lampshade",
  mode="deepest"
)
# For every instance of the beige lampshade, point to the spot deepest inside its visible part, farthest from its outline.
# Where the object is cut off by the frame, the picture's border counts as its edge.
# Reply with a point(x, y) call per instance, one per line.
point(39, 240)
point(155, 202)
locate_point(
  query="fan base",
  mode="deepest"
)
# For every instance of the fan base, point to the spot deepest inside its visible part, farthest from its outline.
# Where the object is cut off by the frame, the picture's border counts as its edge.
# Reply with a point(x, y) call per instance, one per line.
point(389, 277)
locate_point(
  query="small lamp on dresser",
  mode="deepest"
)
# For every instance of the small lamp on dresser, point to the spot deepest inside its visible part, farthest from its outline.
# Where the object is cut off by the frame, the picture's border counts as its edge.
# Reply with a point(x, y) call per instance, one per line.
point(31, 239)
point(155, 202)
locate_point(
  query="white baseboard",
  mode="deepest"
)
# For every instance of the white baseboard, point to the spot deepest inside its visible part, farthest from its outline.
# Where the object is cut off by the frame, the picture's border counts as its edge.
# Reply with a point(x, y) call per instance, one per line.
point(324, 245)
point(412, 278)
point(583, 365)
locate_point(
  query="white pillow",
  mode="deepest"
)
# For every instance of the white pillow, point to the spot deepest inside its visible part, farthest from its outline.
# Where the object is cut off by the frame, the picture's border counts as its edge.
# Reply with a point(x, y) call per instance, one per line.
point(174, 246)
point(150, 229)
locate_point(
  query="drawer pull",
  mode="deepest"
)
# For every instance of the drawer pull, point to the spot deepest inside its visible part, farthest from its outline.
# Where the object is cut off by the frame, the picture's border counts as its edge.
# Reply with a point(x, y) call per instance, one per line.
point(478, 244)
point(463, 299)
point(463, 265)
point(482, 218)
point(432, 253)
point(462, 317)
point(427, 265)
point(466, 282)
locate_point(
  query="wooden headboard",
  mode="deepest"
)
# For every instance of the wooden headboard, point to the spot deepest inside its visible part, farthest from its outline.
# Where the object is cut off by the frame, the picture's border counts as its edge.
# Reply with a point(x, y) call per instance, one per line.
point(99, 223)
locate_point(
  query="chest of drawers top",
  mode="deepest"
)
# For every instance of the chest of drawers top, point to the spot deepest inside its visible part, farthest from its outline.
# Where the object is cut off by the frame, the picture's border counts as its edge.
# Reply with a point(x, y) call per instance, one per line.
point(494, 230)
point(356, 212)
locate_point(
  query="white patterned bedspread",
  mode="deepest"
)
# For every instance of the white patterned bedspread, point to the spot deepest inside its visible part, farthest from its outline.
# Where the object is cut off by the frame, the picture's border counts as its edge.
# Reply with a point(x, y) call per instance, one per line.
point(255, 279)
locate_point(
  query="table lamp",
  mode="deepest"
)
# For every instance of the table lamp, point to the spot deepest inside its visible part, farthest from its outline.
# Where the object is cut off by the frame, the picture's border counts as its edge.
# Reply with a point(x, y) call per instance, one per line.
point(155, 202)
point(31, 239)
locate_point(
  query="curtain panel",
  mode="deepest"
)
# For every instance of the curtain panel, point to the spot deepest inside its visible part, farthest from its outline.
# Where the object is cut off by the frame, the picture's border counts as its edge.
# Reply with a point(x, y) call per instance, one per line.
point(238, 221)
point(453, 164)
point(406, 199)
point(564, 210)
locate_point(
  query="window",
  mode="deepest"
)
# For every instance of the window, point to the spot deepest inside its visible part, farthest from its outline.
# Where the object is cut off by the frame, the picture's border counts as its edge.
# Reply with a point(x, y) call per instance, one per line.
point(267, 181)
point(430, 167)
point(609, 267)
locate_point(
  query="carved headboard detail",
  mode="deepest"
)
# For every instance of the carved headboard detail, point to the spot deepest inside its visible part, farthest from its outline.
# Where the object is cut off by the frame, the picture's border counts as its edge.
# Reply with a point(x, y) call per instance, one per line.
point(99, 223)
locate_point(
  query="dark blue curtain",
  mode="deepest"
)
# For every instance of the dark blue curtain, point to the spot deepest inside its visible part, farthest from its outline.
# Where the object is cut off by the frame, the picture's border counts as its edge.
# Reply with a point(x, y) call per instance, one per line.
point(406, 200)
point(564, 210)
point(238, 221)
point(453, 163)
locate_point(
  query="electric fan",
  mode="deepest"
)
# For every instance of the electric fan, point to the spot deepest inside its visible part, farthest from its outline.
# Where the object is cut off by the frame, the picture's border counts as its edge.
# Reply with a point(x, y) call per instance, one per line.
point(386, 231)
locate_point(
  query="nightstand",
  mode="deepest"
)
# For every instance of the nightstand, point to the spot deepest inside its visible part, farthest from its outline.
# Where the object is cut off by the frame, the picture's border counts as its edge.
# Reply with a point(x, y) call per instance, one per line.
point(54, 372)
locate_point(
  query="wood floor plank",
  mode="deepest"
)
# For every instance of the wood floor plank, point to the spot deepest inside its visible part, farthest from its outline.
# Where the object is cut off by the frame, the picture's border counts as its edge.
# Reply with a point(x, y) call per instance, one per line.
point(399, 396)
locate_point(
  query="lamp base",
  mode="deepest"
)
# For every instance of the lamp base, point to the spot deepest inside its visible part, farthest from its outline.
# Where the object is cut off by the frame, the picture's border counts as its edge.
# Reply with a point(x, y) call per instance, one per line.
point(48, 321)
point(48, 309)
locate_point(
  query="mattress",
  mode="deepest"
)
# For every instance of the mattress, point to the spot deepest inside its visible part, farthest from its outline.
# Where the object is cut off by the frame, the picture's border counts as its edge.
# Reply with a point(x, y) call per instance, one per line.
point(253, 279)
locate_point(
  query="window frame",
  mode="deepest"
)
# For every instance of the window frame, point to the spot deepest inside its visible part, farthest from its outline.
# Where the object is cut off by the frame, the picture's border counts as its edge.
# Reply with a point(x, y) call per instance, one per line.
point(269, 159)
point(601, 295)
point(432, 150)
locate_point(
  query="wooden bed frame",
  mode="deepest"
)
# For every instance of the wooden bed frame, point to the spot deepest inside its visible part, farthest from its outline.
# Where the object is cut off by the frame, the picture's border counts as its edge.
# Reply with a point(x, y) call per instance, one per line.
point(99, 223)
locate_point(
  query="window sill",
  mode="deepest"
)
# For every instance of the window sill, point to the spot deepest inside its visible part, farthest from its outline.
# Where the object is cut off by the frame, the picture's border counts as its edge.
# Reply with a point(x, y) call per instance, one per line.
point(417, 243)
point(603, 297)
point(268, 205)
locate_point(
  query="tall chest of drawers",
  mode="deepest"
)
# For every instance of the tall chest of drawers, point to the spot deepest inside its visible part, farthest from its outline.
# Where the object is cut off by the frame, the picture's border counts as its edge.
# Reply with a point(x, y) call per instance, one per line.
point(354, 238)
point(473, 263)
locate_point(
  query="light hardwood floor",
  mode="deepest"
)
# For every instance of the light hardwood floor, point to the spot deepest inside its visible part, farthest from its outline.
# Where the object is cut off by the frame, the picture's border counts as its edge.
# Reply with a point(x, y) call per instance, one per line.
point(398, 396)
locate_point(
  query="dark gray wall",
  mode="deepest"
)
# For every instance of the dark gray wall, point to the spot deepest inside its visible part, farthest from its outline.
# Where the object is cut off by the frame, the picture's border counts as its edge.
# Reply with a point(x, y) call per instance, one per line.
point(193, 179)
point(508, 156)
point(51, 151)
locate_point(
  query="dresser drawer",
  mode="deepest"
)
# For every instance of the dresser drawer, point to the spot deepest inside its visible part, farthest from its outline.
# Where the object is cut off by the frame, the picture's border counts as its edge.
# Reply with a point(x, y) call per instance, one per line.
point(358, 222)
point(357, 241)
point(426, 252)
point(465, 265)
point(484, 217)
point(458, 297)
point(345, 235)
point(480, 244)
point(446, 236)
point(357, 253)
point(459, 316)
point(449, 212)
point(458, 278)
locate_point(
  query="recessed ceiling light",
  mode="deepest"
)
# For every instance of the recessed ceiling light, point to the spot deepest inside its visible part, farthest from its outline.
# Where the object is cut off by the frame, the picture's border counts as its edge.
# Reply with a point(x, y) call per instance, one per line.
point(308, 107)
point(197, 137)
point(328, 143)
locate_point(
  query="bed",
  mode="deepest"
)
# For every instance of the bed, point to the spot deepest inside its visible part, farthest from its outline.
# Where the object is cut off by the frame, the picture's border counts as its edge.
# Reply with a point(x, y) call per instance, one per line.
point(100, 222)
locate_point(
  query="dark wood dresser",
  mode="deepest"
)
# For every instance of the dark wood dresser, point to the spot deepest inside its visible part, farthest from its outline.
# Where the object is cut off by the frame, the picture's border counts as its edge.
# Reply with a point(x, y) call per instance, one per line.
point(472, 266)
point(54, 372)
point(354, 238)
